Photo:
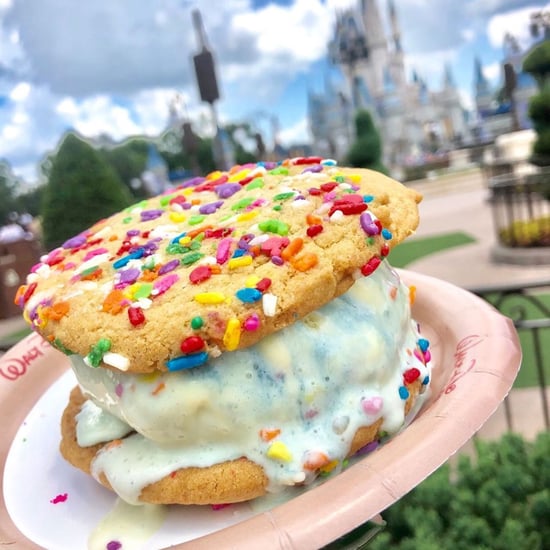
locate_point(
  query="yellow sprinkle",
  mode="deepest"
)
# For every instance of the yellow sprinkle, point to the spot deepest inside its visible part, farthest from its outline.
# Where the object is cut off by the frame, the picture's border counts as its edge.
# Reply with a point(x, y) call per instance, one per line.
point(329, 467)
point(247, 216)
point(243, 261)
point(412, 294)
point(239, 176)
point(188, 191)
point(214, 175)
point(279, 451)
point(252, 281)
point(41, 320)
point(177, 217)
point(26, 316)
point(232, 335)
point(210, 298)
point(185, 240)
point(131, 290)
point(355, 178)
point(149, 377)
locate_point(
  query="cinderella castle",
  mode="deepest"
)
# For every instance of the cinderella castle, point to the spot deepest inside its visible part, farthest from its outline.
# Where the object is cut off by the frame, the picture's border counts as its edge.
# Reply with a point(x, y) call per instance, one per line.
point(411, 118)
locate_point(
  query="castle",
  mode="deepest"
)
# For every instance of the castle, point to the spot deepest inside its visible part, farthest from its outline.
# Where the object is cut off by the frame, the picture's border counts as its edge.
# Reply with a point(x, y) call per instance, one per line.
point(412, 119)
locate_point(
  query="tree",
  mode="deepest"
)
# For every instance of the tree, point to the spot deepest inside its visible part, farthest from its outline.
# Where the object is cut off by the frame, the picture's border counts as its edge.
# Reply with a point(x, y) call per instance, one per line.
point(537, 63)
point(82, 189)
point(7, 189)
point(498, 501)
point(366, 152)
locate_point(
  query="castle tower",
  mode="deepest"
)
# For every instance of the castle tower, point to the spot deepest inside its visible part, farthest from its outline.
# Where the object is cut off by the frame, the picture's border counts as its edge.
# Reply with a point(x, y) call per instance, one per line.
point(483, 95)
point(377, 46)
point(398, 62)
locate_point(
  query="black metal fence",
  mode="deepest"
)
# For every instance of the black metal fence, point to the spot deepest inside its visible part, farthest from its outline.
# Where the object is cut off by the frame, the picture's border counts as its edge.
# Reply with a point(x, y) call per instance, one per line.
point(528, 305)
point(521, 209)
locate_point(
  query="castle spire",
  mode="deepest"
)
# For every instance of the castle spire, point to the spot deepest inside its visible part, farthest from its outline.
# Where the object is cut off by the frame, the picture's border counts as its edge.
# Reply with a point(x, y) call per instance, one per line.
point(448, 80)
point(396, 32)
point(480, 81)
point(374, 29)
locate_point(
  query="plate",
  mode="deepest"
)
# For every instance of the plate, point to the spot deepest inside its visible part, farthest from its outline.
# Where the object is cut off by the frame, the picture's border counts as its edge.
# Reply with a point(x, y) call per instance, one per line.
point(476, 356)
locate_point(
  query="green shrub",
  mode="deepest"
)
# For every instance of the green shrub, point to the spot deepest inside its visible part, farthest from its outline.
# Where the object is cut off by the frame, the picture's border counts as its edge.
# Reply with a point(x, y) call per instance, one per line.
point(498, 501)
point(366, 152)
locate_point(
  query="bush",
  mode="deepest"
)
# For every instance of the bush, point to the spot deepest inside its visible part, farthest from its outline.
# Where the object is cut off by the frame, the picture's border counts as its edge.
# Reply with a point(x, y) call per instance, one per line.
point(366, 152)
point(82, 189)
point(499, 501)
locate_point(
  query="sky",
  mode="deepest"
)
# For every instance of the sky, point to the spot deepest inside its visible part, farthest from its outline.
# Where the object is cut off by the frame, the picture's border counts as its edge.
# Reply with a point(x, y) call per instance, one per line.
point(114, 67)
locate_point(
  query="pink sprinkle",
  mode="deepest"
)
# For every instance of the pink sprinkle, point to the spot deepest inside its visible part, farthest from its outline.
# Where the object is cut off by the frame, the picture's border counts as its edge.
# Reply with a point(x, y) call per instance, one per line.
point(119, 388)
point(113, 545)
point(59, 498)
point(373, 405)
point(329, 197)
point(160, 286)
point(69, 265)
point(95, 252)
point(222, 254)
point(252, 322)
point(219, 506)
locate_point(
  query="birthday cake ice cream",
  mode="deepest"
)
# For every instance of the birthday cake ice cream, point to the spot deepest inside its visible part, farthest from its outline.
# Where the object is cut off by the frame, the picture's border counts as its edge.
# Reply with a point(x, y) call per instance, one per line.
point(239, 334)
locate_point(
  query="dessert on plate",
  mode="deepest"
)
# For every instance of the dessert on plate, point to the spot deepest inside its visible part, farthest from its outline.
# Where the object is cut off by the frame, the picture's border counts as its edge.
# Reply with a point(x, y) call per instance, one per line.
point(239, 334)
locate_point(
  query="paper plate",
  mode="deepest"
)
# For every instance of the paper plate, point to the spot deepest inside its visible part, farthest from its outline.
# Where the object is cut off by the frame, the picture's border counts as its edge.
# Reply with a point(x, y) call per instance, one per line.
point(476, 356)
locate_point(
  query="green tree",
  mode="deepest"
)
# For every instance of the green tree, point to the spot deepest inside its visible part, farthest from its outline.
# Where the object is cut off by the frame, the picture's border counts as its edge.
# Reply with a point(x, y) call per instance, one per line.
point(31, 201)
point(82, 189)
point(7, 192)
point(537, 63)
point(496, 501)
point(366, 151)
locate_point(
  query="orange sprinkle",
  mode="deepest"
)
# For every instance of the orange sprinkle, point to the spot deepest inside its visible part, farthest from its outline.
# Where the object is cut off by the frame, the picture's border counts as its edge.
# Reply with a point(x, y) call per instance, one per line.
point(93, 275)
point(148, 275)
point(329, 467)
point(113, 238)
point(255, 250)
point(393, 292)
point(316, 460)
point(215, 269)
point(292, 249)
point(412, 294)
point(57, 311)
point(312, 219)
point(195, 201)
point(113, 302)
point(19, 294)
point(159, 388)
point(268, 434)
point(198, 231)
point(305, 262)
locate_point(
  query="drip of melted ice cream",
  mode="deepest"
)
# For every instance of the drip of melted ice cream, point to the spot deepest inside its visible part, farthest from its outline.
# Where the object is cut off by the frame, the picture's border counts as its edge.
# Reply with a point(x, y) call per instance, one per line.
point(313, 385)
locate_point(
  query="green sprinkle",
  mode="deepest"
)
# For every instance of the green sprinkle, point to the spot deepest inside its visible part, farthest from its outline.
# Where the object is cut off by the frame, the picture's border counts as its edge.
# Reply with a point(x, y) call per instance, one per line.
point(176, 248)
point(194, 220)
point(89, 271)
point(280, 170)
point(243, 203)
point(149, 263)
point(370, 241)
point(98, 351)
point(165, 200)
point(141, 204)
point(226, 217)
point(278, 207)
point(143, 291)
point(127, 220)
point(197, 323)
point(340, 179)
point(194, 245)
point(255, 184)
point(191, 258)
point(284, 196)
point(274, 226)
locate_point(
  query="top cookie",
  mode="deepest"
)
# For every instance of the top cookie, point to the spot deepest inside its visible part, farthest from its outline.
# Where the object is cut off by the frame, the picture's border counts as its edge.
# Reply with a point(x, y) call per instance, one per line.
point(215, 264)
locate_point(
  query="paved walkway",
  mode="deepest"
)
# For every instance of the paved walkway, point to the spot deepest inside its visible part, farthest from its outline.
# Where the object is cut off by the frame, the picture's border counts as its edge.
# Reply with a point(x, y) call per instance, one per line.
point(458, 203)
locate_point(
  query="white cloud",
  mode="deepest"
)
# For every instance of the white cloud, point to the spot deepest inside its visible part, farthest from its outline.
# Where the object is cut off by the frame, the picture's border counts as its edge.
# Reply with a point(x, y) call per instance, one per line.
point(20, 92)
point(492, 71)
point(295, 134)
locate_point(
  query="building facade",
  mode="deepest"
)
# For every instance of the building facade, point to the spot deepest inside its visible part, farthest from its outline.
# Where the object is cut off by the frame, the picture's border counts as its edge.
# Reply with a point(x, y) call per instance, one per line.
point(412, 119)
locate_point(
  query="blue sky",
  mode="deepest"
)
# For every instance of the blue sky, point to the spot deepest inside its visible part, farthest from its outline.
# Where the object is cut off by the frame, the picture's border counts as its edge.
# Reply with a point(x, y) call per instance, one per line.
point(113, 68)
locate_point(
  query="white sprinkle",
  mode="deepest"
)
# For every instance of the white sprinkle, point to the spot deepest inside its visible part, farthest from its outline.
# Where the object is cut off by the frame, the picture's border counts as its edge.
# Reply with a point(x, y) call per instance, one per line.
point(269, 304)
point(164, 231)
point(337, 216)
point(93, 262)
point(107, 230)
point(259, 239)
point(143, 303)
point(116, 360)
point(324, 208)
point(300, 203)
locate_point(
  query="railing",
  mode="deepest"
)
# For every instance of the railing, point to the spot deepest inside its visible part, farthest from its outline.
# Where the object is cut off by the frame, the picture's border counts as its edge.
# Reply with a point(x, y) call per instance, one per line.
point(528, 305)
point(521, 209)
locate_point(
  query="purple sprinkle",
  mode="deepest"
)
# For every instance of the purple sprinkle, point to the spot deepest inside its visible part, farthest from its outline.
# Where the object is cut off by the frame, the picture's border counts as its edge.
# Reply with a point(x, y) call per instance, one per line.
point(269, 165)
point(225, 190)
point(192, 182)
point(211, 207)
point(148, 215)
point(113, 545)
point(367, 224)
point(277, 260)
point(150, 247)
point(316, 168)
point(170, 266)
point(186, 205)
point(74, 242)
point(129, 276)
point(299, 198)
point(119, 388)
point(368, 448)
point(132, 233)
point(244, 240)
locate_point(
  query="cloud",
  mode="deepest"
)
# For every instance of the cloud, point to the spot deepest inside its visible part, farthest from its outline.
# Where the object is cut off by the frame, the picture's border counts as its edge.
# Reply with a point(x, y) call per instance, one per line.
point(492, 71)
point(295, 134)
